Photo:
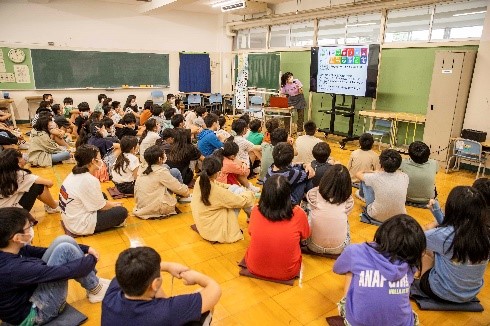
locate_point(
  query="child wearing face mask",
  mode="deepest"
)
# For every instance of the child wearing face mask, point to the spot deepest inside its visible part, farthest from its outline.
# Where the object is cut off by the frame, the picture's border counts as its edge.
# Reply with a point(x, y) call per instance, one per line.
point(34, 280)
point(152, 188)
point(84, 209)
point(84, 110)
point(108, 149)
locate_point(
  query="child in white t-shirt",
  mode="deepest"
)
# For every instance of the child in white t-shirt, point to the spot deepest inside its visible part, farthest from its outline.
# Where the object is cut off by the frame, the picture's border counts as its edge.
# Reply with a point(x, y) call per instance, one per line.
point(248, 152)
point(125, 169)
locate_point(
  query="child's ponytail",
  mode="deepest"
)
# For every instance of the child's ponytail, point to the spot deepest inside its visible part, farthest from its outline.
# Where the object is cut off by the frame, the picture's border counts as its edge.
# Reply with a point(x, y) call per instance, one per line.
point(127, 144)
point(152, 156)
point(210, 166)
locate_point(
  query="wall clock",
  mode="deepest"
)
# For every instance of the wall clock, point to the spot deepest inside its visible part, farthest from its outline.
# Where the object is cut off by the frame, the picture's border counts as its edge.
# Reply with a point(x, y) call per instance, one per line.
point(17, 55)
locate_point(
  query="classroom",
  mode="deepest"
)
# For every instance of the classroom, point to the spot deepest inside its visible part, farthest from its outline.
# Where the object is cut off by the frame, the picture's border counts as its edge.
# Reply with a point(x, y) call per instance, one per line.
point(197, 87)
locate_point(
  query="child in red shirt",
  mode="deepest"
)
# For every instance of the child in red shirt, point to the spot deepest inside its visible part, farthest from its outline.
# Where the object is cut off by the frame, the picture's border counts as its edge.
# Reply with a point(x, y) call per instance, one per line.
point(276, 229)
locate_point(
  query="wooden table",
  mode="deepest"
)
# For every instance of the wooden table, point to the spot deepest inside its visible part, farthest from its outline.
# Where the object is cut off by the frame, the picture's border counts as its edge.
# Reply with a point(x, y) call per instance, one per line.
point(394, 118)
point(281, 113)
point(32, 105)
point(11, 107)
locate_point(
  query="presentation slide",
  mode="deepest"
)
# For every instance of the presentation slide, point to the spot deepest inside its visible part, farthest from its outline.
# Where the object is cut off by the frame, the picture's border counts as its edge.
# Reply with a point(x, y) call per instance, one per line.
point(343, 70)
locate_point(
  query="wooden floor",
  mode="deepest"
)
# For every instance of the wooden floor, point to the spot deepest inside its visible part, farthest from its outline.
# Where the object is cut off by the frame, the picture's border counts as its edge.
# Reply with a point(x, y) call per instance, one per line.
point(244, 301)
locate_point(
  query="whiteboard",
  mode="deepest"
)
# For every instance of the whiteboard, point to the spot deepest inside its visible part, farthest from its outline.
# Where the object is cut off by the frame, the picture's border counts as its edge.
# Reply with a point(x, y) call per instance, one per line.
point(343, 69)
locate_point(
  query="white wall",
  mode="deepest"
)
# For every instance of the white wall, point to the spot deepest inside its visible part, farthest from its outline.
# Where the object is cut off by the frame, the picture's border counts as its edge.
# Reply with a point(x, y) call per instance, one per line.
point(478, 109)
point(98, 25)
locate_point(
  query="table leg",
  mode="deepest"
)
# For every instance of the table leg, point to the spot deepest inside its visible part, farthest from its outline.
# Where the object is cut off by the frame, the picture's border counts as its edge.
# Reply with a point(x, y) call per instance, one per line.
point(394, 133)
point(13, 108)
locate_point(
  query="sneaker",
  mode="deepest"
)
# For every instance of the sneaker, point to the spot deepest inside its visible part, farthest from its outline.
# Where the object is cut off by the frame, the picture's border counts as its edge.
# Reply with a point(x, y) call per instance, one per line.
point(253, 188)
point(50, 210)
point(358, 195)
point(185, 199)
point(94, 298)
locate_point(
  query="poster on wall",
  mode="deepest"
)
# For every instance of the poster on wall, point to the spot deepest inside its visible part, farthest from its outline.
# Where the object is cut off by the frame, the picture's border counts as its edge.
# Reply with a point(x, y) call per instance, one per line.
point(241, 92)
point(345, 70)
point(22, 74)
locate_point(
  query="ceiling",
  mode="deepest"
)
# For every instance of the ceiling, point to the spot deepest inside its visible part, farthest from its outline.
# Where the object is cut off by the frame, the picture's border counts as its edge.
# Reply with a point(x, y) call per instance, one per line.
point(202, 6)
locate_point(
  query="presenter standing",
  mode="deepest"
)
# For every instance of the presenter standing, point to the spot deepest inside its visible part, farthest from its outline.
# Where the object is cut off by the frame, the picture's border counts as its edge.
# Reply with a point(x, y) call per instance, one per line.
point(293, 89)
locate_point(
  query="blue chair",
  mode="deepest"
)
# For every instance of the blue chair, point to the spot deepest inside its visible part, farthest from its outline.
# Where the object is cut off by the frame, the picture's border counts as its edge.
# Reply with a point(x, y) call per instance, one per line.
point(157, 97)
point(381, 128)
point(467, 150)
point(215, 102)
point(194, 100)
point(255, 108)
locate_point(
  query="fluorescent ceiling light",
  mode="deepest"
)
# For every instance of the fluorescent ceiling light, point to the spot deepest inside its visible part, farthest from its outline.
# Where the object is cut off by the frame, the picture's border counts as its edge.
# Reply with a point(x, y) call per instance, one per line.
point(224, 3)
point(363, 24)
point(470, 13)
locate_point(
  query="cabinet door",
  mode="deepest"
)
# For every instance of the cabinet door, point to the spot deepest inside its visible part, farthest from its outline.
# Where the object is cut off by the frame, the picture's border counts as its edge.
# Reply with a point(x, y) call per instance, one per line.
point(442, 102)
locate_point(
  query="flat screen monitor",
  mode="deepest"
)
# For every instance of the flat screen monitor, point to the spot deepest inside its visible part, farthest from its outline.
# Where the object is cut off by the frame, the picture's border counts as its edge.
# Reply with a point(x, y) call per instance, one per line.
point(345, 69)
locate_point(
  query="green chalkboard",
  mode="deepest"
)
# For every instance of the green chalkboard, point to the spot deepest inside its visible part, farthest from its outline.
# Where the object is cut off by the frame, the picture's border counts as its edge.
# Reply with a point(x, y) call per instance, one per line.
point(263, 70)
point(78, 69)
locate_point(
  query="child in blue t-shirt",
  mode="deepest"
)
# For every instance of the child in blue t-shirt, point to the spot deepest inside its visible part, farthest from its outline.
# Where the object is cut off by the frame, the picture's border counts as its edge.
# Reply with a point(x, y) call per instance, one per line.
point(379, 274)
point(207, 141)
point(135, 296)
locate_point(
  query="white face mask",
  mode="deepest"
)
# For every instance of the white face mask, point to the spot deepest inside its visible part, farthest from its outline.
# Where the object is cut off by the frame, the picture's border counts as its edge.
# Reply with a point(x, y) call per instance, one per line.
point(104, 133)
point(31, 236)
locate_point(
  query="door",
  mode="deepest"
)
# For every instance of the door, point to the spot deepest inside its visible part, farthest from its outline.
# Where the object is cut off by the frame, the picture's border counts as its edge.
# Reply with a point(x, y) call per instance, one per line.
point(442, 102)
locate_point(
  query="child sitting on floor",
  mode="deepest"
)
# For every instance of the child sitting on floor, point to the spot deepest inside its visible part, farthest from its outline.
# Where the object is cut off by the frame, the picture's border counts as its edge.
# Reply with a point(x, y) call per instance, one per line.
point(329, 207)
point(364, 158)
point(69, 110)
point(84, 209)
point(215, 206)
point(168, 114)
point(201, 113)
point(321, 154)
point(233, 171)
point(207, 141)
point(255, 136)
point(379, 273)
point(305, 143)
point(21, 188)
point(34, 280)
point(457, 249)
point(384, 191)
point(135, 296)
point(43, 150)
point(221, 133)
point(248, 152)
point(152, 188)
point(149, 138)
point(297, 175)
point(125, 169)
point(421, 173)
point(276, 229)
point(129, 127)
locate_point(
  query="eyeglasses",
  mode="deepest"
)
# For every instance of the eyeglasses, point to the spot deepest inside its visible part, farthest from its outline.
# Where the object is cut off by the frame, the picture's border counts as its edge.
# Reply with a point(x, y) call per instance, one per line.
point(31, 224)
